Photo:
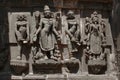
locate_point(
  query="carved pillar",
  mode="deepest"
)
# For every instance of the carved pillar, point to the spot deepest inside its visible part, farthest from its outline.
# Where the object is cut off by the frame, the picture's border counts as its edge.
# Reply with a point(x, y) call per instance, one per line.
point(116, 30)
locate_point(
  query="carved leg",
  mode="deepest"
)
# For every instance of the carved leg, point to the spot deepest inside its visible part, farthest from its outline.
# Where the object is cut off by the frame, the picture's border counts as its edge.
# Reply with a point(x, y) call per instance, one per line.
point(30, 63)
point(52, 55)
point(34, 51)
point(65, 53)
point(73, 50)
point(20, 52)
point(39, 55)
point(45, 55)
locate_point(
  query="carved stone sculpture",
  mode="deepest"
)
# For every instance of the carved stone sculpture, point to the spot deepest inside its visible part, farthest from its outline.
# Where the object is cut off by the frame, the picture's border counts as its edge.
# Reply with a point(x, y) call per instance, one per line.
point(36, 47)
point(37, 18)
point(96, 34)
point(21, 33)
point(72, 33)
point(103, 29)
point(57, 43)
point(87, 30)
point(95, 42)
point(47, 34)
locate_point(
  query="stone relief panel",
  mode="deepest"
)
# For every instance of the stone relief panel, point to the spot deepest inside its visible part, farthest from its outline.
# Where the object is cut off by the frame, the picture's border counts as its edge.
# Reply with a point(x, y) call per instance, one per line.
point(71, 33)
point(98, 50)
point(19, 38)
point(48, 43)
point(19, 31)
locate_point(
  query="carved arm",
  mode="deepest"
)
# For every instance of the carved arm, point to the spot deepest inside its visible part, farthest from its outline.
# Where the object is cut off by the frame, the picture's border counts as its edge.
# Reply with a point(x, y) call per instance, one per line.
point(54, 29)
point(39, 29)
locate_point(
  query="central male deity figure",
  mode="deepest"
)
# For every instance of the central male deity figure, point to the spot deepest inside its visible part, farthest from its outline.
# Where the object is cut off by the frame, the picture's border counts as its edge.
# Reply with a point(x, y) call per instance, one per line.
point(73, 33)
point(47, 34)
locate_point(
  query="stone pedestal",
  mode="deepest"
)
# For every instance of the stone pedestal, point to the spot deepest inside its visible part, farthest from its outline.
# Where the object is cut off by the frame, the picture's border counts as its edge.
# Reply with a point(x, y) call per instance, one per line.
point(65, 77)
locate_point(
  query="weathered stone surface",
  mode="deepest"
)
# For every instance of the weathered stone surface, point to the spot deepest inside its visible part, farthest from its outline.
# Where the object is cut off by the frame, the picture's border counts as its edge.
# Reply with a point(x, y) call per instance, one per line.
point(63, 40)
point(64, 77)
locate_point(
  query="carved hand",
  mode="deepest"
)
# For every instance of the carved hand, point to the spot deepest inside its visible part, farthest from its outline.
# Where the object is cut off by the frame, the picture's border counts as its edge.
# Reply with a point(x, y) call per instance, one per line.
point(58, 37)
point(34, 38)
point(25, 42)
point(73, 39)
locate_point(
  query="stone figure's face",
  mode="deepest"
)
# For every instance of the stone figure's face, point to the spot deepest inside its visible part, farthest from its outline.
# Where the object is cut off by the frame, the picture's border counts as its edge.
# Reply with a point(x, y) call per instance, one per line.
point(87, 19)
point(95, 13)
point(71, 15)
point(37, 17)
point(37, 13)
point(47, 14)
point(95, 19)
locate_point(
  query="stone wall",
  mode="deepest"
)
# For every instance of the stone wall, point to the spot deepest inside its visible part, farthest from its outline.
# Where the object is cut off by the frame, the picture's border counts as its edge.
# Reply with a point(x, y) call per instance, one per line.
point(116, 30)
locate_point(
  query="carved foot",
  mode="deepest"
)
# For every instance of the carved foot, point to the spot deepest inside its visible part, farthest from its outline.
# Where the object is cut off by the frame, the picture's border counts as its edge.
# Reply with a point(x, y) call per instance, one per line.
point(39, 55)
point(41, 59)
point(73, 58)
point(54, 58)
point(45, 57)
point(66, 59)
point(23, 74)
point(19, 58)
point(30, 73)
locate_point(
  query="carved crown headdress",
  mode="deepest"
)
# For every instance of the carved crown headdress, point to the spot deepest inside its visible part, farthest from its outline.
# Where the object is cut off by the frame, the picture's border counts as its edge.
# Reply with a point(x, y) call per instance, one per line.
point(70, 12)
point(94, 14)
point(21, 18)
point(46, 8)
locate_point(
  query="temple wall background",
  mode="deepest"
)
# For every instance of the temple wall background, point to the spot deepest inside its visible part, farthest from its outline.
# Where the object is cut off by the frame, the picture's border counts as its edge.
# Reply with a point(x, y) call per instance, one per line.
point(116, 30)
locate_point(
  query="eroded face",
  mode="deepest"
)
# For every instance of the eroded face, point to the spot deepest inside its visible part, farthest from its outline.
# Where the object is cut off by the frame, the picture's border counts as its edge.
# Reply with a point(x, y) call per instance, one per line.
point(37, 13)
point(71, 16)
point(87, 19)
point(95, 19)
point(47, 14)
